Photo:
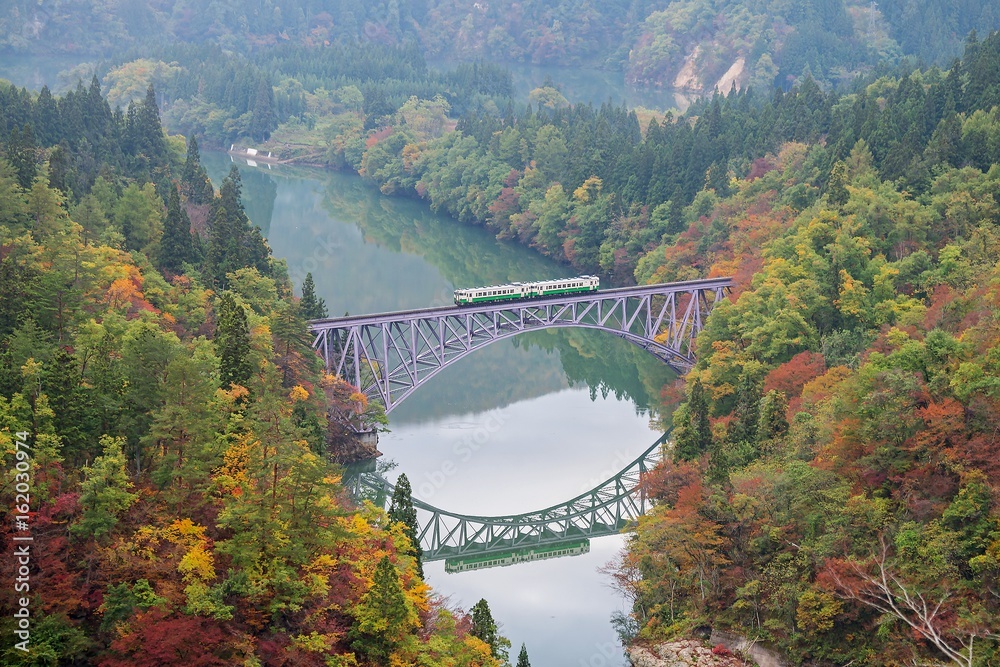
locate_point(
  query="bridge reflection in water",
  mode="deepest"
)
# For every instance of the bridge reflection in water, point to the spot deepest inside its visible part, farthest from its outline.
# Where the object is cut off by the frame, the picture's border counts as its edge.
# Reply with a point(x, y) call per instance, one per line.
point(467, 542)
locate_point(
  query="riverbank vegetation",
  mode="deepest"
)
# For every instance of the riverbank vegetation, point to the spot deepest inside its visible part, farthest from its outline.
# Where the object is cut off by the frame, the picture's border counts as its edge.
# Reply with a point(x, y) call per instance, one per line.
point(182, 508)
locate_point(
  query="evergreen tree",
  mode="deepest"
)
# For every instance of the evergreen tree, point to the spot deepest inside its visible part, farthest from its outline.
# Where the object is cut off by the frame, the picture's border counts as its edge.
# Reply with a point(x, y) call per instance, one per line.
point(401, 510)
point(233, 243)
point(773, 422)
point(746, 414)
point(837, 187)
point(176, 246)
point(485, 628)
point(105, 491)
point(383, 617)
point(223, 252)
point(194, 179)
point(21, 154)
point(73, 418)
point(311, 306)
point(46, 122)
point(263, 121)
point(150, 131)
point(522, 657)
point(61, 168)
point(695, 436)
point(232, 342)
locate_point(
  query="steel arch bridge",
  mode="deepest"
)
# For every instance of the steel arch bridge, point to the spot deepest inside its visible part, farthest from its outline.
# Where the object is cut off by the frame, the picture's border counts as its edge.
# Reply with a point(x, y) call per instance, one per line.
point(388, 356)
point(607, 509)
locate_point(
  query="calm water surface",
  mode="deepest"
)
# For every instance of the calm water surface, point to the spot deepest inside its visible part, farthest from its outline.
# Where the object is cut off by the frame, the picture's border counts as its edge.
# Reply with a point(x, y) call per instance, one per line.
point(564, 410)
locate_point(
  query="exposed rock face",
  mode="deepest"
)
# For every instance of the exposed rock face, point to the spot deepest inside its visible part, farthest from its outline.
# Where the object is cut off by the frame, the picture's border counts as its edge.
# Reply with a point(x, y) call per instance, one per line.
point(761, 655)
point(347, 449)
point(683, 653)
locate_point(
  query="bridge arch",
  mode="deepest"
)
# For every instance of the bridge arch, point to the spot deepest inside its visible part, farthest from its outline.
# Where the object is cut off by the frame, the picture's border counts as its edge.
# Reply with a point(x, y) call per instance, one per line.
point(388, 356)
point(607, 509)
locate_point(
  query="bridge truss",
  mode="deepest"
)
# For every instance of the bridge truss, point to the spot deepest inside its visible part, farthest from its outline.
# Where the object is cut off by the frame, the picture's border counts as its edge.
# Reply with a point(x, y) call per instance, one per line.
point(388, 356)
point(607, 509)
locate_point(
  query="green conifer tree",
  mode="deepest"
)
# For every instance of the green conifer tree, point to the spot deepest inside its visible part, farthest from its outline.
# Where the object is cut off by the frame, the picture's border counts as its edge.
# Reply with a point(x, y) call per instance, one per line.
point(836, 189)
point(194, 179)
point(176, 246)
point(149, 133)
point(105, 491)
point(485, 628)
point(232, 342)
point(695, 436)
point(401, 510)
point(263, 121)
point(73, 420)
point(21, 154)
point(522, 657)
point(773, 422)
point(383, 616)
point(746, 414)
point(311, 306)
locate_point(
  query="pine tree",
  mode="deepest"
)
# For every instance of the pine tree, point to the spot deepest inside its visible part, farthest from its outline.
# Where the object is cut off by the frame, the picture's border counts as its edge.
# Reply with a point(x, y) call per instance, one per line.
point(401, 510)
point(233, 243)
point(232, 342)
point(486, 629)
point(176, 246)
point(522, 657)
point(695, 438)
point(311, 306)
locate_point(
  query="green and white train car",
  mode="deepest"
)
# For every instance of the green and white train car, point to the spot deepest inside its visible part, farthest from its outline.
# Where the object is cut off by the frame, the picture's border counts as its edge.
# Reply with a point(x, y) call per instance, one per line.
point(515, 291)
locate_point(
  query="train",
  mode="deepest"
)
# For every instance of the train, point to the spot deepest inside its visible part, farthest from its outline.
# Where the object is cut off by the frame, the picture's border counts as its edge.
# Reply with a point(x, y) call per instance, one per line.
point(517, 291)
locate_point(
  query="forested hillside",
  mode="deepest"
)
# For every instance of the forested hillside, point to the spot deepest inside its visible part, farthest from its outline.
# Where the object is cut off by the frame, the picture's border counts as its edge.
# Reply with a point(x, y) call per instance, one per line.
point(833, 488)
point(692, 44)
point(171, 424)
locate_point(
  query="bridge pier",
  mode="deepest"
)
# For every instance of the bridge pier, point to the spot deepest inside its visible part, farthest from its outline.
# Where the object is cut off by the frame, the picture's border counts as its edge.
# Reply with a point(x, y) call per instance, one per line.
point(351, 447)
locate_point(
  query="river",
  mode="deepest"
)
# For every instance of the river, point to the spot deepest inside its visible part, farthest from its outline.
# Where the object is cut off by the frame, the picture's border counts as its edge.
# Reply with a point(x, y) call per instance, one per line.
point(554, 412)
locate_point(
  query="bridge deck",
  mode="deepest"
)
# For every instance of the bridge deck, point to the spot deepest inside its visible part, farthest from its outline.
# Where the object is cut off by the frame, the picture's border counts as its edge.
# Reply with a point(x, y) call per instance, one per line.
point(438, 311)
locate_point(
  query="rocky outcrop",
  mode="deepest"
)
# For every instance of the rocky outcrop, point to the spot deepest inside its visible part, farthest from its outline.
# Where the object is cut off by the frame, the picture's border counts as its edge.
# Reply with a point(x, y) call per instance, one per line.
point(352, 448)
point(684, 653)
point(762, 655)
